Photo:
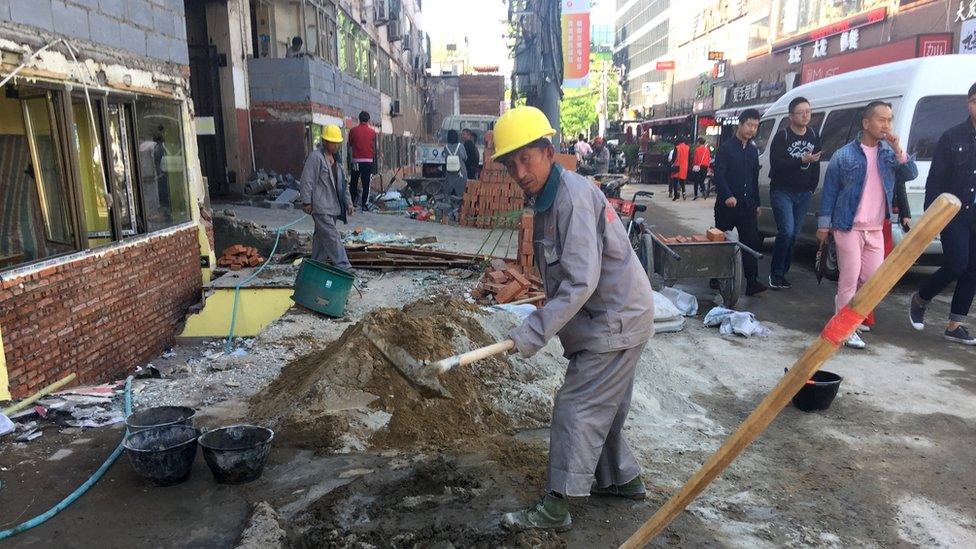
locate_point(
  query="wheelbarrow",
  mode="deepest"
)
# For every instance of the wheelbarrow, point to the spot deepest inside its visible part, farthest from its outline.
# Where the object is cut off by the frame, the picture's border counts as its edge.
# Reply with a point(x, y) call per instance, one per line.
point(719, 262)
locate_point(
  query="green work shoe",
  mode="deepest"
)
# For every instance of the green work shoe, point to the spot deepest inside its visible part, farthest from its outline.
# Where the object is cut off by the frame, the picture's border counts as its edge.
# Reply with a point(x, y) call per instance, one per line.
point(632, 490)
point(549, 513)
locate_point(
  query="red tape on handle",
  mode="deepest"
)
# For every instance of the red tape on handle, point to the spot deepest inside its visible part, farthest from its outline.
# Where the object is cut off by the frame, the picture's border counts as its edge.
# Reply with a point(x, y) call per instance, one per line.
point(842, 325)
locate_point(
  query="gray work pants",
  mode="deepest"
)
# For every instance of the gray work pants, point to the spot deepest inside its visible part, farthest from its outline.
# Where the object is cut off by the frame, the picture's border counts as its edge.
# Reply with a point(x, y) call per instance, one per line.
point(327, 244)
point(586, 439)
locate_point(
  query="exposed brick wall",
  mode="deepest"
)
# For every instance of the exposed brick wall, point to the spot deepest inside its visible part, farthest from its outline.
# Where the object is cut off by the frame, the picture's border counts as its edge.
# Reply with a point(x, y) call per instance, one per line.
point(100, 315)
point(481, 93)
point(279, 146)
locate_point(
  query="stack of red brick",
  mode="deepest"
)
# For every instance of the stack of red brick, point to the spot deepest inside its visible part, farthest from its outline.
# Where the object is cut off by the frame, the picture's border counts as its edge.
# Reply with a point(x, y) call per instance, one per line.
point(237, 257)
point(526, 251)
point(712, 235)
point(504, 282)
point(491, 202)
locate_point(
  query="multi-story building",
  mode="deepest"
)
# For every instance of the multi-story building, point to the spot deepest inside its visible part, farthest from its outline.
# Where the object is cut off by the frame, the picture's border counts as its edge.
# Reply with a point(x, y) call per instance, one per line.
point(723, 56)
point(268, 105)
point(103, 240)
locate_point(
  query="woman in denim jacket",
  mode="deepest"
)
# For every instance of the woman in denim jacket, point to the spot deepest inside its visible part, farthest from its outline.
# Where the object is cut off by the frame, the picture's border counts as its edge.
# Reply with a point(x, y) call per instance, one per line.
point(857, 196)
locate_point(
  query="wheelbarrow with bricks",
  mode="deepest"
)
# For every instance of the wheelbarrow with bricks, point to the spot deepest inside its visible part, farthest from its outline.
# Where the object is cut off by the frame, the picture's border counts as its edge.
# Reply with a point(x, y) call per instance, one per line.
point(714, 256)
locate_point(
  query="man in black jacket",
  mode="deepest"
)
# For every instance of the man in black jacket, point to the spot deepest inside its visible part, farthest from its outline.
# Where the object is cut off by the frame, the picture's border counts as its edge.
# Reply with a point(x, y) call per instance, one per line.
point(737, 185)
point(794, 158)
point(472, 162)
point(953, 171)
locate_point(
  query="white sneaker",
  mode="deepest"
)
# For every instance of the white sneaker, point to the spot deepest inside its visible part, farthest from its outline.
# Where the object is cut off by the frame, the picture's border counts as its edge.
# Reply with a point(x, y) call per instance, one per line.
point(863, 328)
point(855, 342)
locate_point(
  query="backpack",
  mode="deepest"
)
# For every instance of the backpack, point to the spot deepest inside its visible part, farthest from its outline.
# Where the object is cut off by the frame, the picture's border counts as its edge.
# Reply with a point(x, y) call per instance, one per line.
point(453, 160)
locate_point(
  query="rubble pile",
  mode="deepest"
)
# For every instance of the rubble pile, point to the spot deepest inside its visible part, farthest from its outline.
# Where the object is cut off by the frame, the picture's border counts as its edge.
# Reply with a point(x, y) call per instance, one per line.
point(505, 282)
point(237, 257)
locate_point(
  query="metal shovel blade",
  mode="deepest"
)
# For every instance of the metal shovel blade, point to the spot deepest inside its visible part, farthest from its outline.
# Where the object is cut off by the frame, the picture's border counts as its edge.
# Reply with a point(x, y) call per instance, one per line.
point(418, 373)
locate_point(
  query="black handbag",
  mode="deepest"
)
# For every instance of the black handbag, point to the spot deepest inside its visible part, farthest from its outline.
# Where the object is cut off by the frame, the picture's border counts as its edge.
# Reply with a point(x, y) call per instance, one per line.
point(825, 266)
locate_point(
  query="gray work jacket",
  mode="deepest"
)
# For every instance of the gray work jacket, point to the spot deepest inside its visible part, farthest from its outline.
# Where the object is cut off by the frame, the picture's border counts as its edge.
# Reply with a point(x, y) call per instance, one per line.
point(599, 297)
point(319, 189)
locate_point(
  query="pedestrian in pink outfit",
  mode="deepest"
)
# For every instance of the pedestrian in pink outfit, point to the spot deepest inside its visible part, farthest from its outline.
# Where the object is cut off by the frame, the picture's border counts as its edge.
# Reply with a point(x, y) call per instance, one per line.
point(857, 196)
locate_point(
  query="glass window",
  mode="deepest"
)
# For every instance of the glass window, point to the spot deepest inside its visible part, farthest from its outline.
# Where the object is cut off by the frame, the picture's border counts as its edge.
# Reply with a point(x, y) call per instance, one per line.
point(35, 211)
point(816, 120)
point(94, 189)
point(762, 136)
point(312, 30)
point(121, 170)
point(796, 16)
point(759, 32)
point(287, 20)
point(837, 130)
point(933, 116)
point(162, 166)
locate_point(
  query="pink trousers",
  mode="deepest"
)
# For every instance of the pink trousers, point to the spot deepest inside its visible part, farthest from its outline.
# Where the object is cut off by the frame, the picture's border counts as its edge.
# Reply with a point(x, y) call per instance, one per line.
point(859, 254)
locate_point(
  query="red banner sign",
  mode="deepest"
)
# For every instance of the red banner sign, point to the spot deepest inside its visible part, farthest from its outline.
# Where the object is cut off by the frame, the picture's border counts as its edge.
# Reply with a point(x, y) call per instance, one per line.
point(934, 44)
point(664, 66)
point(860, 59)
point(876, 15)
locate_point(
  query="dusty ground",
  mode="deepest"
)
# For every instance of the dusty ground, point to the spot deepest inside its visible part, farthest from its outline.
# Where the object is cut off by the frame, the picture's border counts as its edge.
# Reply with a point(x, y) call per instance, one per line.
point(890, 464)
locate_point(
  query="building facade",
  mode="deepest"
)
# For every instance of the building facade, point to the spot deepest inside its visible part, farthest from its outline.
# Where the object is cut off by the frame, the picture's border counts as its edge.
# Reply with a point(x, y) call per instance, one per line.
point(724, 56)
point(104, 238)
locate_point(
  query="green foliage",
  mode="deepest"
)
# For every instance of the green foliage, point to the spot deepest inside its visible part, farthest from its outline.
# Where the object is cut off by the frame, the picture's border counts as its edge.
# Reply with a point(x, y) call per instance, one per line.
point(578, 109)
point(630, 154)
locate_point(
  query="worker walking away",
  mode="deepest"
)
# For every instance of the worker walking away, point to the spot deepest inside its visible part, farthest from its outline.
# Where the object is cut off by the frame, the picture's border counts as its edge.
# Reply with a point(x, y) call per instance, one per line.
point(456, 171)
point(325, 196)
point(599, 304)
point(362, 149)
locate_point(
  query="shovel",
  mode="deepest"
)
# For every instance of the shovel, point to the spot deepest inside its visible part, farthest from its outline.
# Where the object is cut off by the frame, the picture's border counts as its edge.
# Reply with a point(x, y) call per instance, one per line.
point(424, 375)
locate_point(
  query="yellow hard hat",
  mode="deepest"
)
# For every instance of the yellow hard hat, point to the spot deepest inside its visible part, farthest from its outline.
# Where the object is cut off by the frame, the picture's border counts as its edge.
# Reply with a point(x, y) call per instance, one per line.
point(519, 127)
point(332, 133)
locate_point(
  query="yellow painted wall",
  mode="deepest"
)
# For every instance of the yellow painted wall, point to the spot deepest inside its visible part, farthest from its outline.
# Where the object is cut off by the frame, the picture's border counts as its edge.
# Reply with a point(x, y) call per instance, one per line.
point(4, 388)
point(256, 308)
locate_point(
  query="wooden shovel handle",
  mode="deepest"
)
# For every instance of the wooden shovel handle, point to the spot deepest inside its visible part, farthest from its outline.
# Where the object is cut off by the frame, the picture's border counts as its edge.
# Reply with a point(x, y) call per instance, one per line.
point(464, 359)
point(936, 217)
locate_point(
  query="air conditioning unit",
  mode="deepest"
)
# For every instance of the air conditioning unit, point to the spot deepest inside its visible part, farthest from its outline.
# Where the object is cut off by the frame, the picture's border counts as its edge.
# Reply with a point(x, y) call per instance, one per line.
point(381, 11)
point(395, 107)
point(394, 31)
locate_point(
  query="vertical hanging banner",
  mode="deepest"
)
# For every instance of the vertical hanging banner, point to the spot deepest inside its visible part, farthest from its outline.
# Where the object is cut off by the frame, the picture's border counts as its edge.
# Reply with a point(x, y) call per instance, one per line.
point(576, 43)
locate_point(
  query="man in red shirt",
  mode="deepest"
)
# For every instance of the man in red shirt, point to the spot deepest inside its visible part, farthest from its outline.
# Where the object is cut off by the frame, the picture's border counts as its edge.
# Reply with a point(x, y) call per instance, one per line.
point(699, 167)
point(362, 149)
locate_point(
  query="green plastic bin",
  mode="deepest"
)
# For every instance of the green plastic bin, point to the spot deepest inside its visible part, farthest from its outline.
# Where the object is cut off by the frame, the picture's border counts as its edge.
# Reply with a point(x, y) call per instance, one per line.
point(322, 288)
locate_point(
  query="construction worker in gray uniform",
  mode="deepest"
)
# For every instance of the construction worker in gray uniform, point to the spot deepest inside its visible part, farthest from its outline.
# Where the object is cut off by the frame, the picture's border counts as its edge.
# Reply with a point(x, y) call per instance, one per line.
point(599, 303)
point(325, 196)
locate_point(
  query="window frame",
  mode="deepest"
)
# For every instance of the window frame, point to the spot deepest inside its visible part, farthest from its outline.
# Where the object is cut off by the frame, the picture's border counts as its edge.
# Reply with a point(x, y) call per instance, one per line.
point(911, 144)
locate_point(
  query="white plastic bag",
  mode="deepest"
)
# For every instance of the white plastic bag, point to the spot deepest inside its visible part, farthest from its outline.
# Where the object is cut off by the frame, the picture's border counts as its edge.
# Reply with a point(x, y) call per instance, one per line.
point(683, 301)
point(664, 309)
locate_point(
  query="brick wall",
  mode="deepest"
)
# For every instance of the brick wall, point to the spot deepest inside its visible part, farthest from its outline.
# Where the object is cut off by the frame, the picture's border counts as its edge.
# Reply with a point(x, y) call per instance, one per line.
point(101, 314)
point(481, 93)
point(152, 28)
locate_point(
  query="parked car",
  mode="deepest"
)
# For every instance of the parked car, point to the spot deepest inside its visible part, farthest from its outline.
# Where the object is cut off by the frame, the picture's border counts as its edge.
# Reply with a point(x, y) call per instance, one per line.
point(928, 96)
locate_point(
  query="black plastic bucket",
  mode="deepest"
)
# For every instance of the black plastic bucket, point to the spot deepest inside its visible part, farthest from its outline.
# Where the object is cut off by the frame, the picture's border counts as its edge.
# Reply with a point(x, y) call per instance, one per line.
point(160, 416)
point(164, 455)
point(819, 392)
point(236, 454)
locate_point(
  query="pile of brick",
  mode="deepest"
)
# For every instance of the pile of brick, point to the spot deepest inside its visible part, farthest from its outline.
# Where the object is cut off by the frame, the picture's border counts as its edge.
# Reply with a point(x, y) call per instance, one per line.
point(505, 282)
point(237, 257)
point(712, 235)
point(491, 202)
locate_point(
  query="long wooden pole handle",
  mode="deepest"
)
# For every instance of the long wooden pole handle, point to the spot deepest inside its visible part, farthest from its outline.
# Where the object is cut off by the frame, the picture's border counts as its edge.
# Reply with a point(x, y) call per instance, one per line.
point(464, 359)
point(838, 329)
point(39, 395)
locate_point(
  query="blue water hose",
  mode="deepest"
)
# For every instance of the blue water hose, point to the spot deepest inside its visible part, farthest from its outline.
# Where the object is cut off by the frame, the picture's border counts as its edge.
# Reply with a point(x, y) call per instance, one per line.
point(229, 344)
point(64, 503)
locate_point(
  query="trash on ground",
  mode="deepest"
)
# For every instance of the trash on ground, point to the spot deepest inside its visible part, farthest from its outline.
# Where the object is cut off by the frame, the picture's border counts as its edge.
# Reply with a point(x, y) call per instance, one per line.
point(735, 322)
point(686, 303)
point(370, 236)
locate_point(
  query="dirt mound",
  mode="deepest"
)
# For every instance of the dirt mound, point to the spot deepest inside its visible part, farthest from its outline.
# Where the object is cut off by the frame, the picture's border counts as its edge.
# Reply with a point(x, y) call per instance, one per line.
point(349, 396)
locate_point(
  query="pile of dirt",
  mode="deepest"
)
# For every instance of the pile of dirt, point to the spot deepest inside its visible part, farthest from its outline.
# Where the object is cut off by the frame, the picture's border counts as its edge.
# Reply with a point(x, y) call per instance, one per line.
point(348, 396)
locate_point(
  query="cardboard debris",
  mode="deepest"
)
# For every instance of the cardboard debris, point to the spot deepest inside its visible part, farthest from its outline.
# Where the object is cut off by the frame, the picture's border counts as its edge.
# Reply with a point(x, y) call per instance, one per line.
point(237, 257)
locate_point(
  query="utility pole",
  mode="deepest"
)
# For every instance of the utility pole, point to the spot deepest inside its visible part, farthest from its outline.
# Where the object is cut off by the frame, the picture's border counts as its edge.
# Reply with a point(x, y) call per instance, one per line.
point(538, 73)
point(604, 107)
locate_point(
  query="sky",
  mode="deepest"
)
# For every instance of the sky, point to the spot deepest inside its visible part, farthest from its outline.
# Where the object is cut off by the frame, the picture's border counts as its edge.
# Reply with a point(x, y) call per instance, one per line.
point(483, 22)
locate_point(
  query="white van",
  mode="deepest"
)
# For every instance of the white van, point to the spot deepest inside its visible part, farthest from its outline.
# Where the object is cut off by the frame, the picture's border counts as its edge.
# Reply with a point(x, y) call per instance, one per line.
point(928, 96)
